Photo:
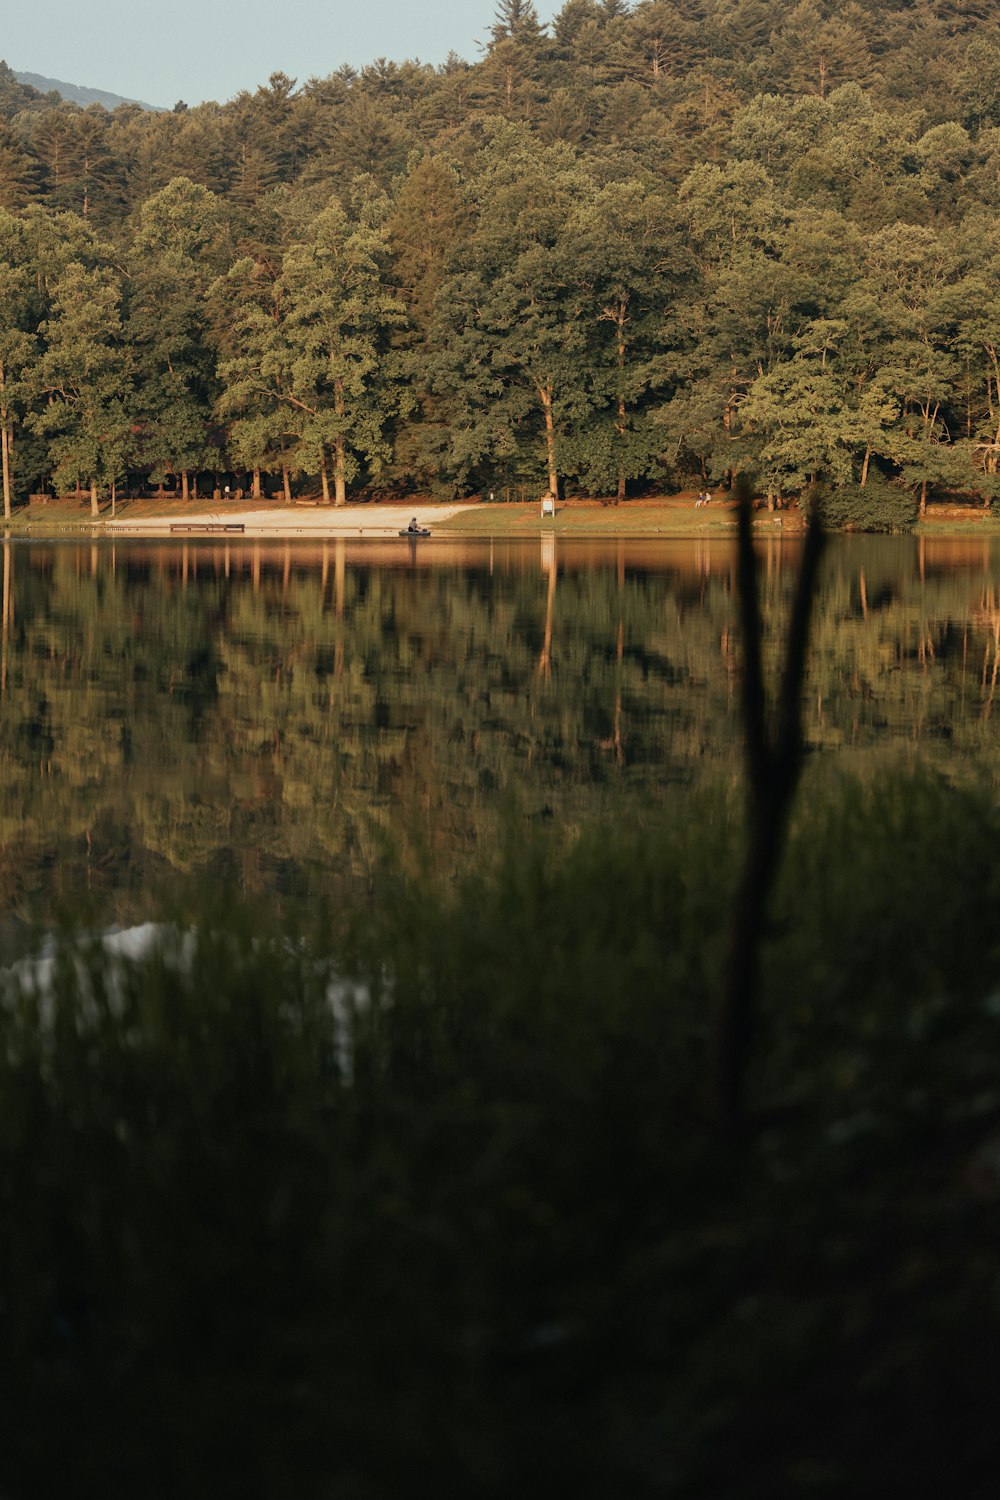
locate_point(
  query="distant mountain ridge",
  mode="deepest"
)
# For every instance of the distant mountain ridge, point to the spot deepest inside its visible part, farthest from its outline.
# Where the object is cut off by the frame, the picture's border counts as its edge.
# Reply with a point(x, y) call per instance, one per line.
point(76, 94)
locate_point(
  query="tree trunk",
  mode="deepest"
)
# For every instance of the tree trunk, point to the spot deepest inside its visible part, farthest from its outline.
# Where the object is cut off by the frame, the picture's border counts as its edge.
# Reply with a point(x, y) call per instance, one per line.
point(620, 426)
point(923, 498)
point(185, 493)
point(622, 422)
point(5, 449)
point(256, 484)
point(339, 480)
point(95, 509)
point(339, 448)
point(286, 484)
point(326, 483)
point(864, 467)
point(550, 440)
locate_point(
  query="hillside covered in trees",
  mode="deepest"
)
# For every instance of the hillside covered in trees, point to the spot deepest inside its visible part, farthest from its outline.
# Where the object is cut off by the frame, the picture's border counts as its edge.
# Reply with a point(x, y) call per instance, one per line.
point(654, 243)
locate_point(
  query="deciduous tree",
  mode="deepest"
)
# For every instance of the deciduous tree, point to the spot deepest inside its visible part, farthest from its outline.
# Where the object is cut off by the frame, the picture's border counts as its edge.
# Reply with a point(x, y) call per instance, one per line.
point(180, 246)
point(84, 382)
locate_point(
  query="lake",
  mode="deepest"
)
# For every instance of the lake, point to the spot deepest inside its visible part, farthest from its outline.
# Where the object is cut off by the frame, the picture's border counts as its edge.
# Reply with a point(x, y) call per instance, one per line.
point(280, 719)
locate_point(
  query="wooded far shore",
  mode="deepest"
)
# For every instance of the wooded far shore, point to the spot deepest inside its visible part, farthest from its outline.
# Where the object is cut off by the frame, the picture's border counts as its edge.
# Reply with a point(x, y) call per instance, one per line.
point(647, 248)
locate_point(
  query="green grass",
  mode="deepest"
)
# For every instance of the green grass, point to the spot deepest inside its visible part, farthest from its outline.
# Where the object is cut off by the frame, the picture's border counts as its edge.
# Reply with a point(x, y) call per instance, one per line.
point(666, 517)
point(663, 516)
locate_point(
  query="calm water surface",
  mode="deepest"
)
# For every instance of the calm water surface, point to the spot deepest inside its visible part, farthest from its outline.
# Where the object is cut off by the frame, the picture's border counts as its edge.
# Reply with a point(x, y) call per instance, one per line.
point(272, 717)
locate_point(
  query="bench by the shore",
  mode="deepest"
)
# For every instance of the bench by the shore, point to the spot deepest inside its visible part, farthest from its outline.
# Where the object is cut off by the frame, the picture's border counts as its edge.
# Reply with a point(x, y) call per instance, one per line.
point(197, 528)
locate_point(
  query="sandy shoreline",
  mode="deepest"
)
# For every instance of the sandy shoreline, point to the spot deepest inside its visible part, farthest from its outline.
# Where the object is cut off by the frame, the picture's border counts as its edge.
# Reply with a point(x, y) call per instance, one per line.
point(302, 520)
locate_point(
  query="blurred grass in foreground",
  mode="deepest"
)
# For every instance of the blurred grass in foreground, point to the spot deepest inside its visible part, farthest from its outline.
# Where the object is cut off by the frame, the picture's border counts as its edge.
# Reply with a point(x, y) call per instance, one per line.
point(474, 1232)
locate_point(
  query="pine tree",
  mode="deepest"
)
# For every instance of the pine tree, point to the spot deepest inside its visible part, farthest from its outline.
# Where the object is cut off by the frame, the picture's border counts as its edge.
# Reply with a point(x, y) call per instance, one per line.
point(573, 18)
point(81, 172)
point(99, 184)
point(428, 220)
point(53, 140)
point(518, 20)
point(19, 170)
point(368, 134)
point(18, 98)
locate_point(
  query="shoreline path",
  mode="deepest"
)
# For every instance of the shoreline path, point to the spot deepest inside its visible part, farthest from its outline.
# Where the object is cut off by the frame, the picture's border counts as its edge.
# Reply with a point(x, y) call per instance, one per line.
point(321, 521)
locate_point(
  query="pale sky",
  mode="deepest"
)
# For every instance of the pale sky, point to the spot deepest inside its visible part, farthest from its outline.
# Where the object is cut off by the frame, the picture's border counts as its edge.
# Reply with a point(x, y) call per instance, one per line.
point(164, 50)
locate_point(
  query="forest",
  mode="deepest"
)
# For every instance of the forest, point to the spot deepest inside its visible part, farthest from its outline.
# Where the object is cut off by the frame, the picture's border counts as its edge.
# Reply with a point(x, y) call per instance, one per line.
point(649, 245)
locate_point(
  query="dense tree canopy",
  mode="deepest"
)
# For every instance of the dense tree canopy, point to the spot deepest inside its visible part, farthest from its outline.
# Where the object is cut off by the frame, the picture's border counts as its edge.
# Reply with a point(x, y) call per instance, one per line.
point(650, 244)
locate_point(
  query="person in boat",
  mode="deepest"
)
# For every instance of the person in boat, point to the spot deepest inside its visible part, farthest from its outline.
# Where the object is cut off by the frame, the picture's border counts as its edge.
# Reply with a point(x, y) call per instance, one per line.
point(413, 526)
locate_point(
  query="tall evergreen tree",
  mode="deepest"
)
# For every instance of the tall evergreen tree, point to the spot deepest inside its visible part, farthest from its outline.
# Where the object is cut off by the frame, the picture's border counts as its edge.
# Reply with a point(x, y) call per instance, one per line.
point(19, 170)
point(428, 220)
point(19, 98)
point(516, 19)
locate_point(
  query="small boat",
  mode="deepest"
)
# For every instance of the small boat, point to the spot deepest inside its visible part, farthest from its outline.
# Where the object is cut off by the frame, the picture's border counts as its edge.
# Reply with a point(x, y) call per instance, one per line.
point(415, 531)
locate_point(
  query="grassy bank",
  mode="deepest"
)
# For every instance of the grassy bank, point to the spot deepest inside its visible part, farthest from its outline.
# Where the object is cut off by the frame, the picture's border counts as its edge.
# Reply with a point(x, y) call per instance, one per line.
point(668, 516)
point(471, 1219)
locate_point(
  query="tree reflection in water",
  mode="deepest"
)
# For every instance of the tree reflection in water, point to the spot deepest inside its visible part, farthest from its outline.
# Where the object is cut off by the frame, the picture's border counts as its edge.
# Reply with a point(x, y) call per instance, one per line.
point(279, 716)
